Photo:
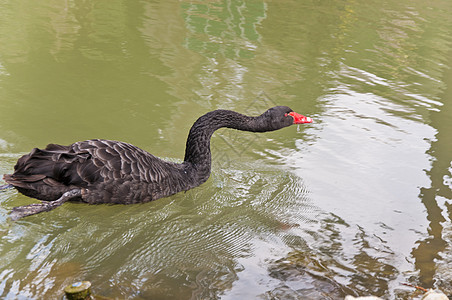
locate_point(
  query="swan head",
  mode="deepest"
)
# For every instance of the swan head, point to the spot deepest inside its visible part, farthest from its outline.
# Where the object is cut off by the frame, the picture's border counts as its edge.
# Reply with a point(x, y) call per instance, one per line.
point(282, 116)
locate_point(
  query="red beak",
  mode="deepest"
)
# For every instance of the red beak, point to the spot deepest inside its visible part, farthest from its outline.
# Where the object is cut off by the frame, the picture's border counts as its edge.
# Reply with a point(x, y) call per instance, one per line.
point(300, 119)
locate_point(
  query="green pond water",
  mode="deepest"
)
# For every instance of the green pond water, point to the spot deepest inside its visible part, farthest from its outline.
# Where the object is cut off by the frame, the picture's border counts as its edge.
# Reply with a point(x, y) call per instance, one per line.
point(356, 203)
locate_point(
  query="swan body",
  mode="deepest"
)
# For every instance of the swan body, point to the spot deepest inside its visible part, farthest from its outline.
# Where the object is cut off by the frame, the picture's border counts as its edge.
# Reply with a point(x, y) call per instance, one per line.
point(104, 171)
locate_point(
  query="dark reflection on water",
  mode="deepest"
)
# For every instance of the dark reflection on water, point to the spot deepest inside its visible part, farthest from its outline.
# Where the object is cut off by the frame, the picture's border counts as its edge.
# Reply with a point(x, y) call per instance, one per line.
point(355, 203)
point(434, 251)
point(330, 268)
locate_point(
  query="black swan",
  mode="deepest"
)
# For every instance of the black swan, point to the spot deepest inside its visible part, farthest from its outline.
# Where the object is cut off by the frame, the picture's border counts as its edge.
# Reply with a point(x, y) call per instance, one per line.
point(103, 171)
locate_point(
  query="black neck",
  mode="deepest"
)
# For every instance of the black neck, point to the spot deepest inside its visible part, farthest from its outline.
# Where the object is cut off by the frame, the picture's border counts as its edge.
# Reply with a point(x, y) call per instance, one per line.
point(197, 151)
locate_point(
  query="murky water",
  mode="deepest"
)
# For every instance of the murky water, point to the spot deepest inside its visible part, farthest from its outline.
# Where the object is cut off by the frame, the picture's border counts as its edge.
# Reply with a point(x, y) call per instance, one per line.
point(356, 203)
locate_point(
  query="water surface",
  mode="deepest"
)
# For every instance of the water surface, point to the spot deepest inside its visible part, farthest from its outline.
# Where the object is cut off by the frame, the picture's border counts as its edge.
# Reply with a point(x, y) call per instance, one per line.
point(356, 203)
